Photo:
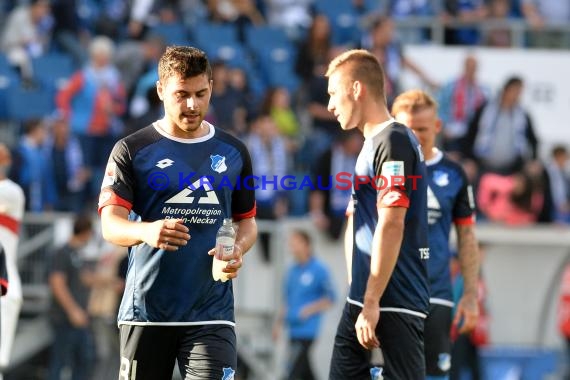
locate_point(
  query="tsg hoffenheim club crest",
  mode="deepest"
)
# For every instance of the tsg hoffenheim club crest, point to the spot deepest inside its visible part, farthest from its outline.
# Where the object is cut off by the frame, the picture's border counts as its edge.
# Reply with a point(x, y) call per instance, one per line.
point(440, 178)
point(218, 163)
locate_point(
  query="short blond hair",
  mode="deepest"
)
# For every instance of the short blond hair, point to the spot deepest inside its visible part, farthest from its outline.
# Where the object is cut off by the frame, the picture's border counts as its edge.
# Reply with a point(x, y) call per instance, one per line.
point(413, 101)
point(362, 66)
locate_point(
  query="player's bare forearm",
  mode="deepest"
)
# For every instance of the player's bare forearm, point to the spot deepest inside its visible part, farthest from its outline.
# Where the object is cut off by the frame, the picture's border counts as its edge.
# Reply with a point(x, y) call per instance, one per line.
point(468, 258)
point(246, 234)
point(166, 234)
point(386, 245)
point(118, 229)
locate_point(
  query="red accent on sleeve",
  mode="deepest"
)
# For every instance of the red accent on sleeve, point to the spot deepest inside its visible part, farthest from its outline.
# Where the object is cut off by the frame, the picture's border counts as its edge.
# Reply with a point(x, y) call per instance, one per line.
point(3, 286)
point(249, 214)
point(393, 198)
point(10, 223)
point(465, 221)
point(108, 197)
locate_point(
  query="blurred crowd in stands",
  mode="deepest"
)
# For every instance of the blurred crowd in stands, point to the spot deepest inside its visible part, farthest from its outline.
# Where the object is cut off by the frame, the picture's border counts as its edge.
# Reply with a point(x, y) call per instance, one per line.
point(76, 75)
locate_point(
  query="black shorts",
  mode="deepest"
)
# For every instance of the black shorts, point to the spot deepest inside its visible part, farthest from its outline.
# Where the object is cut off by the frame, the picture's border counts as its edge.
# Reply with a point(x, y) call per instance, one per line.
point(401, 339)
point(203, 352)
point(437, 340)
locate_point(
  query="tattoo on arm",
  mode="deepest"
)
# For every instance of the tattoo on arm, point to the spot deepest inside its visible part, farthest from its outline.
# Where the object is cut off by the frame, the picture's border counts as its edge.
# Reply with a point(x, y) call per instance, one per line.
point(468, 257)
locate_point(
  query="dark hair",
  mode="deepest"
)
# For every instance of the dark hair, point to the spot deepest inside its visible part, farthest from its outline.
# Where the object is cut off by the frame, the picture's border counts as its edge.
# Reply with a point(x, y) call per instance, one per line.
point(34, 2)
point(31, 125)
point(512, 81)
point(378, 21)
point(184, 61)
point(267, 100)
point(81, 224)
point(558, 150)
point(303, 235)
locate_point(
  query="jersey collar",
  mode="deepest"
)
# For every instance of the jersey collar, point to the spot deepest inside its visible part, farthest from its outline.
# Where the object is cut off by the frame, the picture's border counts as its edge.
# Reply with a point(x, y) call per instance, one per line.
point(432, 161)
point(380, 127)
point(187, 141)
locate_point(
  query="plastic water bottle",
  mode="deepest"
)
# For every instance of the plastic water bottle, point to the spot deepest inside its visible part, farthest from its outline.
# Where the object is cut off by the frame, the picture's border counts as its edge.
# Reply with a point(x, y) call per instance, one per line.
point(376, 361)
point(376, 373)
point(225, 240)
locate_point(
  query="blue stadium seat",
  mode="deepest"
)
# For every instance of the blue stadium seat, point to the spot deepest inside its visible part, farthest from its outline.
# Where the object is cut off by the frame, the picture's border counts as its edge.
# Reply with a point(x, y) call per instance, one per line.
point(274, 55)
point(8, 78)
point(262, 36)
point(53, 70)
point(173, 33)
point(277, 65)
point(207, 33)
point(344, 20)
point(233, 54)
point(24, 103)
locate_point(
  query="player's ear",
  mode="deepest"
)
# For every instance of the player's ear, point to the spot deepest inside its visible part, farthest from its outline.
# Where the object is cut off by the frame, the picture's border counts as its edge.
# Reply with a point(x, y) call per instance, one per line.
point(159, 90)
point(357, 89)
point(438, 124)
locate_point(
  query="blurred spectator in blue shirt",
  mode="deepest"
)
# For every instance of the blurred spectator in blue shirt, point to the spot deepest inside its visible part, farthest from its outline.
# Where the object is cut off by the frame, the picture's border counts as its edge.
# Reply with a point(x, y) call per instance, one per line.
point(559, 176)
point(69, 174)
point(307, 293)
point(33, 168)
point(469, 12)
point(269, 160)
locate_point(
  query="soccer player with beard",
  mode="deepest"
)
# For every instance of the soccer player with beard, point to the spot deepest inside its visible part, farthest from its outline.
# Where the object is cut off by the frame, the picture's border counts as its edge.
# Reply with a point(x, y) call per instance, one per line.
point(163, 185)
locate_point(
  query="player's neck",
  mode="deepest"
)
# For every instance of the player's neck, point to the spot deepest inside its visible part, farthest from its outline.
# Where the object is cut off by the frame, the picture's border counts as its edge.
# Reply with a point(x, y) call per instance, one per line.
point(430, 153)
point(374, 124)
point(173, 130)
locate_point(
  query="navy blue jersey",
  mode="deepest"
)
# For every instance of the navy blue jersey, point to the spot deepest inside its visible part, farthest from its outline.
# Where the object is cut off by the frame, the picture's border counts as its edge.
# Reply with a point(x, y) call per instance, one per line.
point(393, 163)
point(201, 181)
point(450, 200)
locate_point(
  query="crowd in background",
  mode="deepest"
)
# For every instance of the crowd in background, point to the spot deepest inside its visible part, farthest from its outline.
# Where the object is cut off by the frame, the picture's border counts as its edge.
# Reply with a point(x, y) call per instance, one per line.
point(277, 106)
